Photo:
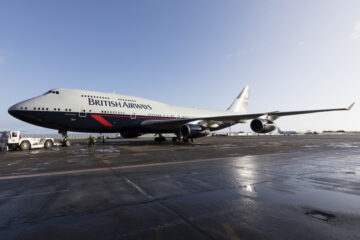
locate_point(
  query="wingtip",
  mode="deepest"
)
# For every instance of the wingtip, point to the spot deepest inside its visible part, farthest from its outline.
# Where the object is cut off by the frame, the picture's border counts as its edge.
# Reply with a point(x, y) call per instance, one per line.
point(351, 105)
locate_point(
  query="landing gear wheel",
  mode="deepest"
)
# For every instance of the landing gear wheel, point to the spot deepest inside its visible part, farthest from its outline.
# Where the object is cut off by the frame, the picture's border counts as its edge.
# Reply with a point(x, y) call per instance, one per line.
point(48, 144)
point(185, 140)
point(66, 143)
point(25, 145)
point(160, 139)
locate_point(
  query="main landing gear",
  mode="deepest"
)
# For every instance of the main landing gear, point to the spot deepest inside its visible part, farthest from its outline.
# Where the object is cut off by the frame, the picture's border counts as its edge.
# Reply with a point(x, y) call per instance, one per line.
point(65, 142)
point(159, 139)
point(178, 138)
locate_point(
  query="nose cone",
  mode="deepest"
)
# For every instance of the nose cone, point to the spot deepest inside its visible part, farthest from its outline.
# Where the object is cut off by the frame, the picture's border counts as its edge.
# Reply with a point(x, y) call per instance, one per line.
point(11, 110)
point(14, 110)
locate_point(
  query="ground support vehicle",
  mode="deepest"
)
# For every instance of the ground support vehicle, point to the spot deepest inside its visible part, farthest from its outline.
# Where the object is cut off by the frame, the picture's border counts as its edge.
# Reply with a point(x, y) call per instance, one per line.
point(13, 140)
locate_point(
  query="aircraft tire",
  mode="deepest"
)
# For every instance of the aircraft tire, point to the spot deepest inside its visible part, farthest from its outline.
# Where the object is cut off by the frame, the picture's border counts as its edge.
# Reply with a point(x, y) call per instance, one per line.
point(66, 143)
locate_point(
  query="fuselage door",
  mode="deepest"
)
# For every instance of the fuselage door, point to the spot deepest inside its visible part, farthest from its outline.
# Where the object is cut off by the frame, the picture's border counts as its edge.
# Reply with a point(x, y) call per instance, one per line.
point(133, 116)
point(82, 112)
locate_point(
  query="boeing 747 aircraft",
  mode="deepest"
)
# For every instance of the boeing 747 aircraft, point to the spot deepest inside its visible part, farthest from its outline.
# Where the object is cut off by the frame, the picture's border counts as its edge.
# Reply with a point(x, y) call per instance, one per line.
point(89, 111)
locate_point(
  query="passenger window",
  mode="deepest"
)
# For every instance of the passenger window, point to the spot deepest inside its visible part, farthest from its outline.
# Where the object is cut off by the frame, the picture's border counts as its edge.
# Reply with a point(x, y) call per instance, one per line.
point(14, 134)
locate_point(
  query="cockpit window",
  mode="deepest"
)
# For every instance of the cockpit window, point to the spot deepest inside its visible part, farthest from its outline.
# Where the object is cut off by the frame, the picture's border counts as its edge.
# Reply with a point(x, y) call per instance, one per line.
point(52, 92)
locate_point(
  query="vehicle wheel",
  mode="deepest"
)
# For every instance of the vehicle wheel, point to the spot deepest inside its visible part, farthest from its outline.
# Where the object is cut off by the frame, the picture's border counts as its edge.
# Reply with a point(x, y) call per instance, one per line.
point(174, 139)
point(185, 140)
point(157, 139)
point(25, 145)
point(66, 143)
point(162, 139)
point(48, 144)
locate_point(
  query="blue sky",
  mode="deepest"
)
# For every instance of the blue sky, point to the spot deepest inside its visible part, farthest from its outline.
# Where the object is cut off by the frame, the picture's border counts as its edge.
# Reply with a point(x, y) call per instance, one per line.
point(295, 55)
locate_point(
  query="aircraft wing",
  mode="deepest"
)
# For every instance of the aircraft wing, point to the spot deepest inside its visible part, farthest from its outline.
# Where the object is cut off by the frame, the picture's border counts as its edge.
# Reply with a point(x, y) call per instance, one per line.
point(177, 123)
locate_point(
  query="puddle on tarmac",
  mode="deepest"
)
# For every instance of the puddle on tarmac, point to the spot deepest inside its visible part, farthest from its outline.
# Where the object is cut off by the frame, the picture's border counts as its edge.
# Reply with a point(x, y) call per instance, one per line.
point(34, 151)
point(343, 145)
point(228, 146)
point(36, 169)
point(12, 163)
point(108, 150)
point(311, 146)
point(315, 199)
point(320, 215)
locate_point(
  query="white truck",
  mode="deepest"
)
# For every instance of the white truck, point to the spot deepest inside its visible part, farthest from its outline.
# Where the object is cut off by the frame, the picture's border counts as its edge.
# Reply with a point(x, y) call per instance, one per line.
point(12, 140)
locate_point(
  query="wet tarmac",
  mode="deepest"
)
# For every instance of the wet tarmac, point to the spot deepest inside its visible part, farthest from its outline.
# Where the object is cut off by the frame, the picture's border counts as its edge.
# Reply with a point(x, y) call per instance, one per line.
point(269, 187)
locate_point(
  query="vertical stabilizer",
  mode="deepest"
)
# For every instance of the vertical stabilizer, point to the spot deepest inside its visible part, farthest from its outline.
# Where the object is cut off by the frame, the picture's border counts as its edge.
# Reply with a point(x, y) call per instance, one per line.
point(240, 104)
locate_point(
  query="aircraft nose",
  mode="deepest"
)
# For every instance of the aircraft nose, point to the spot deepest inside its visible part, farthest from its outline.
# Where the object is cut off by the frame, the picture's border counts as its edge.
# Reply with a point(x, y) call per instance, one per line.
point(13, 110)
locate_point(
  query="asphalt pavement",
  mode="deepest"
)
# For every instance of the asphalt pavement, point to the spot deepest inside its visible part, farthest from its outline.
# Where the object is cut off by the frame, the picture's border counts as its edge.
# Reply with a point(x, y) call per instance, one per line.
point(266, 187)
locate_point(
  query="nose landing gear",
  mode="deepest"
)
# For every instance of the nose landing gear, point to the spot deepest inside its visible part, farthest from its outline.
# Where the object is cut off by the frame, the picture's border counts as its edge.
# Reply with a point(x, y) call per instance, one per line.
point(65, 142)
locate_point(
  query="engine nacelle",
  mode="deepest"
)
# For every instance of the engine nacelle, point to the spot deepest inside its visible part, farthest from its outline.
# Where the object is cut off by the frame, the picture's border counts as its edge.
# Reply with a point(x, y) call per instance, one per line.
point(260, 125)
point(193, 131)
point(129, 135)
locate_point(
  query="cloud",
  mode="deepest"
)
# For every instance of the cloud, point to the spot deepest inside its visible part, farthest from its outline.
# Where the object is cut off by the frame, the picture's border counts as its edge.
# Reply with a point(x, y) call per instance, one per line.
point(355, 35)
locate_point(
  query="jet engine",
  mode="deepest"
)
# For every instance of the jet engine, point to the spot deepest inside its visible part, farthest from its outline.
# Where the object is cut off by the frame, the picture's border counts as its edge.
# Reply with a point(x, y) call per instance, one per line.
point(129, 135)
point(260, 125)
point(193, 131)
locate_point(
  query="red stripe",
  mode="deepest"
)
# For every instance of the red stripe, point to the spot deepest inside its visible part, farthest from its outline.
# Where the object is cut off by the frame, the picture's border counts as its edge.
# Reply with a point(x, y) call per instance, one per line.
point(101, 120)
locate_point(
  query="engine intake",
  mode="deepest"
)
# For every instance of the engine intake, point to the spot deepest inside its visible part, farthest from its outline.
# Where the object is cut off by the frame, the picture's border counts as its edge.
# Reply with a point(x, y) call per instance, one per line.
point(193, 131)
point(260, 125)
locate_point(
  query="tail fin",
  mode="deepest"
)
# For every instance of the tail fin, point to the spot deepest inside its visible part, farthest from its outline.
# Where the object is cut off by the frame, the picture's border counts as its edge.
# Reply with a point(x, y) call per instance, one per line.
point(279, 130)
point(240, 104)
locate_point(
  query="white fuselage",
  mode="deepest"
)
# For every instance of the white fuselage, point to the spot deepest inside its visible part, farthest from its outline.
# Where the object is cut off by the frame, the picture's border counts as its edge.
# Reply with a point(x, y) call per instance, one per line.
point(66, 109)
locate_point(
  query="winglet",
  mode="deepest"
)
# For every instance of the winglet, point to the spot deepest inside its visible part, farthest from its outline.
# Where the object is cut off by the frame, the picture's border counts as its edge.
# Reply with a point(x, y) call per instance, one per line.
point(350, 107)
